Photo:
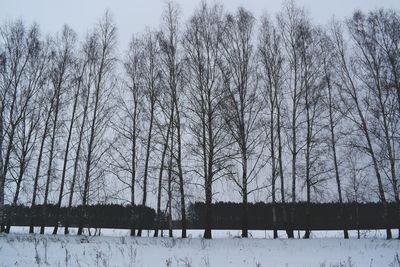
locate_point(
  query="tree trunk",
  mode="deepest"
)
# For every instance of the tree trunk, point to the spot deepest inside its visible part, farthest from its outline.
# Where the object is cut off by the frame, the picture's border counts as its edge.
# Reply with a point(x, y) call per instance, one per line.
point(2, 176)
point(209, 168)
point(51, 158)
point(308, 164)
point(179, 160)
point(289, 233)
point(146, 163)
point(273, 164)
point(76, 162)
point(64, 170)
point(39, 162)
point(170, 233)
point(244, 196)
point(15, 199)
point(352, 91)
point(335, 161)
point(4, 168)
point(89, 157)
point(133, 174)
point(376, 168)
point(294, 159)
point(161, 175)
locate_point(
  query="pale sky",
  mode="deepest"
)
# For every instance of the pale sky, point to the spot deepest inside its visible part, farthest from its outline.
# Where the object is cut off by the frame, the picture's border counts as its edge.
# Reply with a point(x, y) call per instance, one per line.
point(132, 16)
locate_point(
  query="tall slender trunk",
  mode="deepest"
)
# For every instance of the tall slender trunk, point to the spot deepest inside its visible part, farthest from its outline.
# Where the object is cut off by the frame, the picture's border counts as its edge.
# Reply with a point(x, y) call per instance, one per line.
point(294, 146)
point(289, 233)
point(294, 159)
point(245, 207)
point(173, 76)
point(159, 189)
point(165, 148)
point(208, 160)
point(378, 175)
point(308, 164)
point(171, 156)
point(146, 163)
point(89, 161)
point(2, 176)
point(208, 206)
point(23, 163)
point(210, 173)
point(67, 148)
point(133, 173)
point(273, 161)
point(366, 132)
point(180, 172)
point(388, 143)
point(88, 164)
point(98, 85)
point(39, 163)
point(51, 159)
point(335, 161)
point(76, 162)
point(16, 195)
point(14, 81)
point(4, 167)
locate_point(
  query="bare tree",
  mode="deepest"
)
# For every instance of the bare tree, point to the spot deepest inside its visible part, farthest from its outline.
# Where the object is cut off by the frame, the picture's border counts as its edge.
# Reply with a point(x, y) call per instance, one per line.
point(371, 36)
point(173, 74)
point(128, 125)
point(353, 95)
point(357, 188)
point(202, 45)
point(17, 48)
point(271, 60)
point(332, 102)
point(170, 174)
point(2, 107)
point(309, 48)
point(103, 55)
point(47, 111)
point(85, 78)
point(290, 22)
point(166, 106)
point(61, 59)
point(152, 80)
point(29, 118)
point(242, 104)
point(66, 64)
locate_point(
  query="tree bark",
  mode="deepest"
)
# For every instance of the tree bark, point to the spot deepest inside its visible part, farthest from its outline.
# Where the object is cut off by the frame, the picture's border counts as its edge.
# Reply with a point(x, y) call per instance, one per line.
point(66, 153)
point(165, 148)
point(39, 162)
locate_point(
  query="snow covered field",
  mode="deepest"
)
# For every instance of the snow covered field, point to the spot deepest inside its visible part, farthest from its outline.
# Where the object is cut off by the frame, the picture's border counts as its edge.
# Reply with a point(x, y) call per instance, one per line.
point(116, 248)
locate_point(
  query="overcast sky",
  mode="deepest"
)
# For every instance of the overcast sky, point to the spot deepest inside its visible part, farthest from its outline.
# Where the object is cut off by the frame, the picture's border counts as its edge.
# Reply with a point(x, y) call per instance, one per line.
point(132, 16)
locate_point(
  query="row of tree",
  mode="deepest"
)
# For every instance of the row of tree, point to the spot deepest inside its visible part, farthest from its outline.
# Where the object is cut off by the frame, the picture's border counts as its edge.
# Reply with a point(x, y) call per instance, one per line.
point(326, 216)
point(226, 215)
point(280, 108)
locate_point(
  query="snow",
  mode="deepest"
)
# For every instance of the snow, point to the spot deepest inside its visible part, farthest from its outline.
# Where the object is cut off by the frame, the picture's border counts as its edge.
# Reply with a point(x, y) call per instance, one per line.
point(116, 248)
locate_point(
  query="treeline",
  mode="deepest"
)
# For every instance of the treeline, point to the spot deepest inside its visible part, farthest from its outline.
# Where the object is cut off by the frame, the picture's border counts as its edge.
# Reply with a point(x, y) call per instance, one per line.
point(223, 105)
point(227, 215)
point(95, 216)
point(325, 216)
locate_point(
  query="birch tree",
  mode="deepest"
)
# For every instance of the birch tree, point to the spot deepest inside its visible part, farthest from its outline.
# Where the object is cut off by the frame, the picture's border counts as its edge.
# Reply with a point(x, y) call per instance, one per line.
point(103, 54)
point(202, 45)
point(353, 95)
point(241, 106)
point(271, 59)
point(172, 70)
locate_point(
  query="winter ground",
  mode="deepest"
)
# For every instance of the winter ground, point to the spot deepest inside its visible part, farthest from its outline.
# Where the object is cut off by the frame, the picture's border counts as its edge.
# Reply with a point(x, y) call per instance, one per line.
point(117, 248)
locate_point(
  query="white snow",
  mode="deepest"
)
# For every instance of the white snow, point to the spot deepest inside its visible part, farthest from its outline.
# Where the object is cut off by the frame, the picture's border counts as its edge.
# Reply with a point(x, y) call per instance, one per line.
point(116, 248)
